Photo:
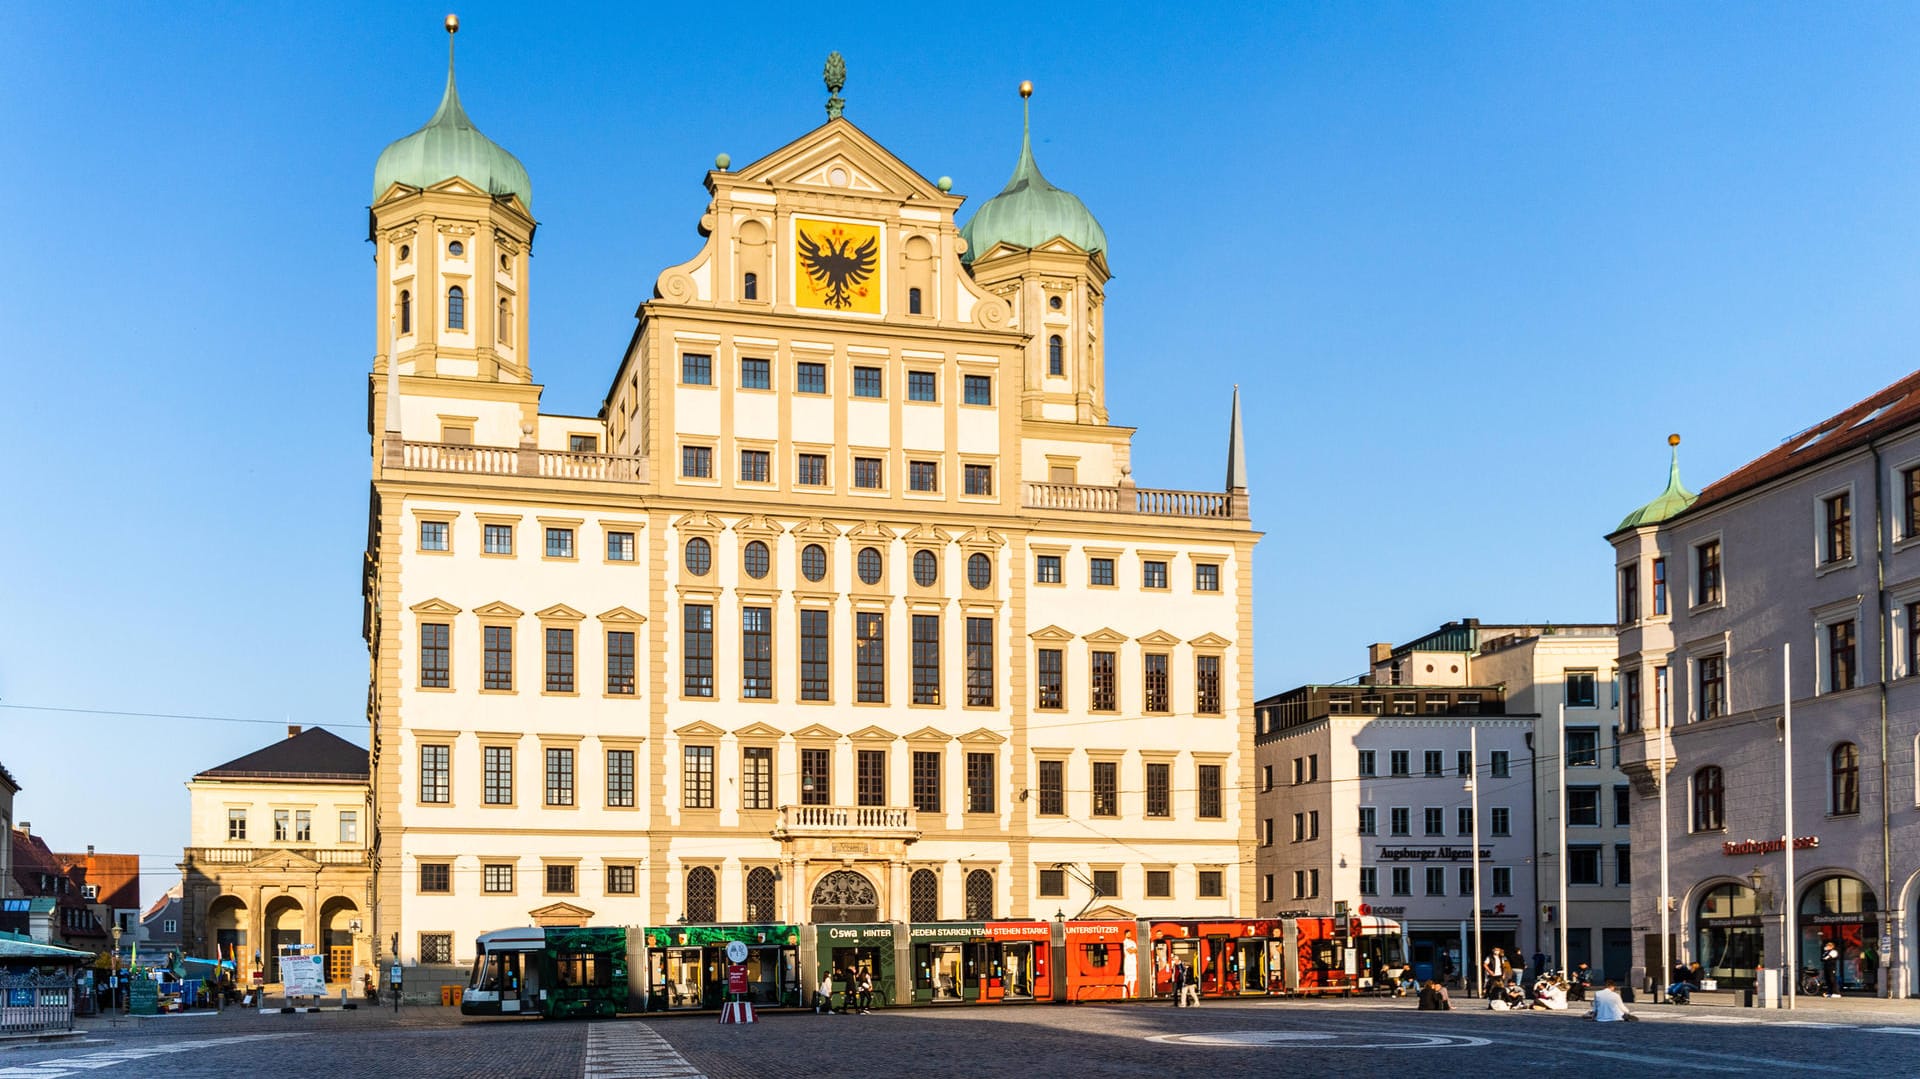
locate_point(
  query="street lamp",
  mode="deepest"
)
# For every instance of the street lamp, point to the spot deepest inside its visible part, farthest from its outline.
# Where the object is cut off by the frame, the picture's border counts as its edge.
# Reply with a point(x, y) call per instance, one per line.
point(115, 975)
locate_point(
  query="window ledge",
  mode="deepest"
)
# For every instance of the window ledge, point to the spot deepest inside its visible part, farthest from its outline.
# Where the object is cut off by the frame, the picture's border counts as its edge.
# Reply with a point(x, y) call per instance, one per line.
point(1825, 568)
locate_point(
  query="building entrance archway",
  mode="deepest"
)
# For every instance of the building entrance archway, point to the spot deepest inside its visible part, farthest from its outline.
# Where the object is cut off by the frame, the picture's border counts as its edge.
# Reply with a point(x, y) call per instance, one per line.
point(845, 896)
point(1841, 911)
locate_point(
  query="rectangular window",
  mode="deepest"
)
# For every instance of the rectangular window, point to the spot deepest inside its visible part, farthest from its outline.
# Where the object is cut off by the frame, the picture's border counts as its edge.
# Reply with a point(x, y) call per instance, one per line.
point(1212, 884)
point(1153, 574)
point(559, 776)
point(1106, 788)
point(1050, 679)
point(1206, 685)
point(1154, 677)
point(1622, 864)
point(1659, 586)
point(695, 369)
point(978, 389)
point(1463, 764)
point(756, 374)
point(434, 776)
point(810, 470)
point(696, 650)
point(696, 462)
point(1837, 545)
point(866, 474)
point(1629, 594)
point(1581, 689)
point(560, 880)
point(620, 662)
point(1106, 883)
point(867, 382)
point(433, 655)
point(1466, 880)
point(809, 377)
point(497, 879)
point(1400, 820)
point(1840, 656)
point(1498, 764)
point(1399, 763)
point(1365, 762)
point(1463, 823)
point(1435, 821)
point(1313, 824)
point(756, 653)
point(1402, 877)
point(1369, 880)
point(497, 539)
point(980, 662)
point(619, 546)
point(1159, 884)
point(1583, 807)
point(1630, 700)
point(1583, 747)
point(1500, 821)
point(980, 782)
point(1100, 572)
point(1103, 694)
point(1434, 762)
point(756, 466)
point(436, 878)
point(282, 825)
point(1436, 880)
point(870, 777)
point(869, 656)
point(559, 543)
point(756, 777)
point(1208, 785)
point(1713, 686)
point(496, 775)
point(1369, 822)
point(498, 666)
point(1206, 577)
point(923, 476)
point(926, 659)
point(978, 479)
point(620, 778)
point(1583, 865)
point(559, 660)
point(433, 535)
point(815, 667)
point(926, 780)
point(696, 777)
point(1053, 788)
point(1053, 883)
point(816, 777)
point(922, 386)
point(1706, 563)
point(1159, 790)
point(1046, 569)
point(620, 879)
point(1502, 881)
point(583, 443)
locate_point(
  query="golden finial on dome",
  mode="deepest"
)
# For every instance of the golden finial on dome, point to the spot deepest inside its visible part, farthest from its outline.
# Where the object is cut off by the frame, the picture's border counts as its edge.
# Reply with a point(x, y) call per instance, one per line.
point(1673, 440)
point(453, 24)
point(1026, 88)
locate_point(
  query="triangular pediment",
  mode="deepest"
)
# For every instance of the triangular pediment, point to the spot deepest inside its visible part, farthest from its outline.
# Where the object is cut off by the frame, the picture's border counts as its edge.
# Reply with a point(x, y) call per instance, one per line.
point(1159, 638)
point(699, 521)
point(560, 914)
point(1107, 912)
point(926, 535)
point(1106, 635)
point(815, 732)
point(560, 612)
point(623, 614)
point(1210, 640)
point(434, 606)
point(699, 729)
point(292, 861)
point(873, 734)
point(928, 734)
point(865, 167)
point(759, 730)
point(1051, 633)
point(815, 528)
point(983, 737)
point(498, 609)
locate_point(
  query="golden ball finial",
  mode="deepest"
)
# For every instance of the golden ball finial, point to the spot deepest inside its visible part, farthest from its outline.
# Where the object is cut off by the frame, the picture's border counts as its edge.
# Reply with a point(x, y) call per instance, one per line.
point(1673, 440)
point(453, 24)
point(1026, 88)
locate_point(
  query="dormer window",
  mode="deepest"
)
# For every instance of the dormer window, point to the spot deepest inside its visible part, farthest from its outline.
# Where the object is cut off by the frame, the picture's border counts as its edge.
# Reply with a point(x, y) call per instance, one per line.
point(456, 308)
point(1056, 356)
point(750, 286)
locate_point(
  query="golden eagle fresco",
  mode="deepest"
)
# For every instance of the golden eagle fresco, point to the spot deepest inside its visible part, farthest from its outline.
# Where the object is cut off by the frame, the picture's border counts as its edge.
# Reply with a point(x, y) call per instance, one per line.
point(838, 262)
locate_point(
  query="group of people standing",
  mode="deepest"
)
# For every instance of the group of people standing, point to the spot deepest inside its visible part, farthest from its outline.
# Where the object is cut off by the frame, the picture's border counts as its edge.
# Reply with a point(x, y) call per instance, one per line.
point(1185, 985)
point(856, 987)
point(1538, 988)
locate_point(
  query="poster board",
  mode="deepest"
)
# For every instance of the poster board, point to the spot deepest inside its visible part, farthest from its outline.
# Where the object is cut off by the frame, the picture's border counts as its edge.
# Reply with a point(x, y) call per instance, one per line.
point(303, 975)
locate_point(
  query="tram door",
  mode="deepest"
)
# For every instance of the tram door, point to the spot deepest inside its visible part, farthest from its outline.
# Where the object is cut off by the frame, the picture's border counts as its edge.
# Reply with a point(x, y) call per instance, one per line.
point(1251, 954)
point(1216, 968)
point(1177, 951)
point(1017, 972)
point(686, 986)
point(947, 964)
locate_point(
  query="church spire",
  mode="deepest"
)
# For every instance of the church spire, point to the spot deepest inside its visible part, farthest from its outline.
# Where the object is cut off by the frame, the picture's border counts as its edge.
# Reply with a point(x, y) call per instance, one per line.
point(1236, 450)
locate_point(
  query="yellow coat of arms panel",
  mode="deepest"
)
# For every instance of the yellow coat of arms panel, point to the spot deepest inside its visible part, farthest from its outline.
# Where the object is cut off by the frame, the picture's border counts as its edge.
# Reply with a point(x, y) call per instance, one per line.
point(836, 266)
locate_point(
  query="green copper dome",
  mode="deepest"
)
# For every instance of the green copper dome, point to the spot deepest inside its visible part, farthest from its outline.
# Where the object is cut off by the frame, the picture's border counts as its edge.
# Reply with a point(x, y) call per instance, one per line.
point(1030, 211)
point(451, 146)
point(1671, 503)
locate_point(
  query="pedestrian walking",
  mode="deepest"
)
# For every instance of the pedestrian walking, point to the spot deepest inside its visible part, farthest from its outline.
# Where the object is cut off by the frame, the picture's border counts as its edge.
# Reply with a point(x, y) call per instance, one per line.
point(1830, 967)
point(865, 989)
point(823, 997)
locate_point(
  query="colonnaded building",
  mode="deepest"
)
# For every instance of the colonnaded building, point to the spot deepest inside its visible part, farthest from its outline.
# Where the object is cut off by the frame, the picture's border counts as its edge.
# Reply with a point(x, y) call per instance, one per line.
point(845, 605)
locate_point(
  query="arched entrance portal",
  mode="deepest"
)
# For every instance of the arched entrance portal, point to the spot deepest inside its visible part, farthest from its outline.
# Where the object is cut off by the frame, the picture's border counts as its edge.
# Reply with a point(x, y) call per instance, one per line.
point(1729, 934)
point(284, 923)
point(226, 930)
point(845, 896)
point(1845, 913)
point(337, 916)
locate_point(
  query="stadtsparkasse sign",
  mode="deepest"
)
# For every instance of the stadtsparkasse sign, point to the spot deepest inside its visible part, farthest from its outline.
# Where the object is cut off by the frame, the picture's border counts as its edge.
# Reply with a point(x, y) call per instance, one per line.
point(1768, 846)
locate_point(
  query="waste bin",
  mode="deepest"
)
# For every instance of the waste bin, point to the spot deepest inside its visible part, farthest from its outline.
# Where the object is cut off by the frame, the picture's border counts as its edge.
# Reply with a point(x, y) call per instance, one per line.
point(1767, 988)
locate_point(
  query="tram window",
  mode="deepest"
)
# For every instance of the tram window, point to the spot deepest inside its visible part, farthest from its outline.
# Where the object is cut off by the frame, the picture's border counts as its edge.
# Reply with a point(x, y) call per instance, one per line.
point(1096, 955)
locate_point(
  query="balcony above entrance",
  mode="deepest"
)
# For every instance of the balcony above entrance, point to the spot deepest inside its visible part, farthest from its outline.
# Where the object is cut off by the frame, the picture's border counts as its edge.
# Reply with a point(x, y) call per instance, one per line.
point(852, 822)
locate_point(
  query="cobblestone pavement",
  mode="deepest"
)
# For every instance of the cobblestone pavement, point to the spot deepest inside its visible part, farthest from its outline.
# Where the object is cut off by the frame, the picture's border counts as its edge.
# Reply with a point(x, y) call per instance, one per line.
point(1215, 1041)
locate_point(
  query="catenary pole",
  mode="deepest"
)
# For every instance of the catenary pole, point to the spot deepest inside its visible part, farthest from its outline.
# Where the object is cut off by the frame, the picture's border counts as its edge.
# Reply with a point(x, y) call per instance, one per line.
point(1666, 901)
point(1564, 965)
point(1790, 942)
point(1473, 792)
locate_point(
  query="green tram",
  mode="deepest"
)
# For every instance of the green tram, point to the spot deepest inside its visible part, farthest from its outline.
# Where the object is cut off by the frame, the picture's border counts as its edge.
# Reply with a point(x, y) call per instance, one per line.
point(566, 972)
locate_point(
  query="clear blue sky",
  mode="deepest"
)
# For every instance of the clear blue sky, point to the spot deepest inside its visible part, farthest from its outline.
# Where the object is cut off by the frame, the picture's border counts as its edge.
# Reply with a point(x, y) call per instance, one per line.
point(1470, 263)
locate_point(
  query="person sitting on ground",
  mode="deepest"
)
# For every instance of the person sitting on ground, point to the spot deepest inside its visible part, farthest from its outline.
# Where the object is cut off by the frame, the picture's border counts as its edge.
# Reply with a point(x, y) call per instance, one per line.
point(1685, 980)
point(1550, 995)
point(1433, 998)
point(1608, 1007)
point(1577, 984)
point(1514, 996)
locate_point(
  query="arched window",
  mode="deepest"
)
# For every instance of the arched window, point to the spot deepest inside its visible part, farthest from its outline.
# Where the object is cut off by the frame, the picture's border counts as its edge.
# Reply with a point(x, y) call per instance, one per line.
point(699, 556)
point(924, 890)
point(979, 895)
point(750, 286)
point(1846, 779)
point(456, 308)
point(1709, 799)
point(504, 329)
point(979, 571)
point(913, 301)
point(760, 895)
point(406, 311)
point(845, 896)
point(701, 891)
point(1056, 356)
point(756, 559)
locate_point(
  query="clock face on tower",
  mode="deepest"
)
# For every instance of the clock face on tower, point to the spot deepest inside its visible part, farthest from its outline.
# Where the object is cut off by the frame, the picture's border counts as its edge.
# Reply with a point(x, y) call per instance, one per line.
point(836, 266)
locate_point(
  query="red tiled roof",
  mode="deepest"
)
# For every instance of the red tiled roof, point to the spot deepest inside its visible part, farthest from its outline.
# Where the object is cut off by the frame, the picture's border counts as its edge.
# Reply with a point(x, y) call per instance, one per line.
point(1887, 410)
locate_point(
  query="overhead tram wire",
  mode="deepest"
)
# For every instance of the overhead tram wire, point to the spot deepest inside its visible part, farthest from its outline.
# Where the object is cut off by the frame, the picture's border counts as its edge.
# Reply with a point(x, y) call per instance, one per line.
point(170, 715)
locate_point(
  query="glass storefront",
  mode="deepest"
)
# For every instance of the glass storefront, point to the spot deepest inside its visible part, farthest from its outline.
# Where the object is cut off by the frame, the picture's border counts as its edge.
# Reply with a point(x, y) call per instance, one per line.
point(1729, 935)
point(1843, 912)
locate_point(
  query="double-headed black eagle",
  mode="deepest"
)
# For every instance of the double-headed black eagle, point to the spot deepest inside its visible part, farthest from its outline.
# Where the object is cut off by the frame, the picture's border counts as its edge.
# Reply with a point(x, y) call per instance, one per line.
point(838, 266)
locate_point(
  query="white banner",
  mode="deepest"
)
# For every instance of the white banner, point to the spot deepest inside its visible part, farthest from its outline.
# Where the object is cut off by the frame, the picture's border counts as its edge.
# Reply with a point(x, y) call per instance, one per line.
point(303, 975)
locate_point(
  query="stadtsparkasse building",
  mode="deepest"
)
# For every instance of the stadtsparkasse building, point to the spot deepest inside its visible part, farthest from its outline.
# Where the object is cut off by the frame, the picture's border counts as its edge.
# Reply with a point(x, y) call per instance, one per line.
point(845, 607)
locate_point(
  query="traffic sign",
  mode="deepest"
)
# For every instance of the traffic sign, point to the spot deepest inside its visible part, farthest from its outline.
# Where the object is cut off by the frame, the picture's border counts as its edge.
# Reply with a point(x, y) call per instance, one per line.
point(736, 951)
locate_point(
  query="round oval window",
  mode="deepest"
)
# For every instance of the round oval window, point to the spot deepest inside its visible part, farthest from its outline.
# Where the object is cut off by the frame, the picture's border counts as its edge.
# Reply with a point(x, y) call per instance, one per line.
point(926, 568)
point(456, 249)
point(869, 565)
point(979, 571)
point(405, 252)
point(699, 557)
point(813, 562)
point(1053, 302)
point(755, 557)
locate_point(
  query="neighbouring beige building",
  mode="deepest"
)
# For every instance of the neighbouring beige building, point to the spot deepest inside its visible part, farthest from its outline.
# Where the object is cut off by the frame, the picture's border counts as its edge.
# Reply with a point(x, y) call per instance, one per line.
point(278, 856)
point(843, 606)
